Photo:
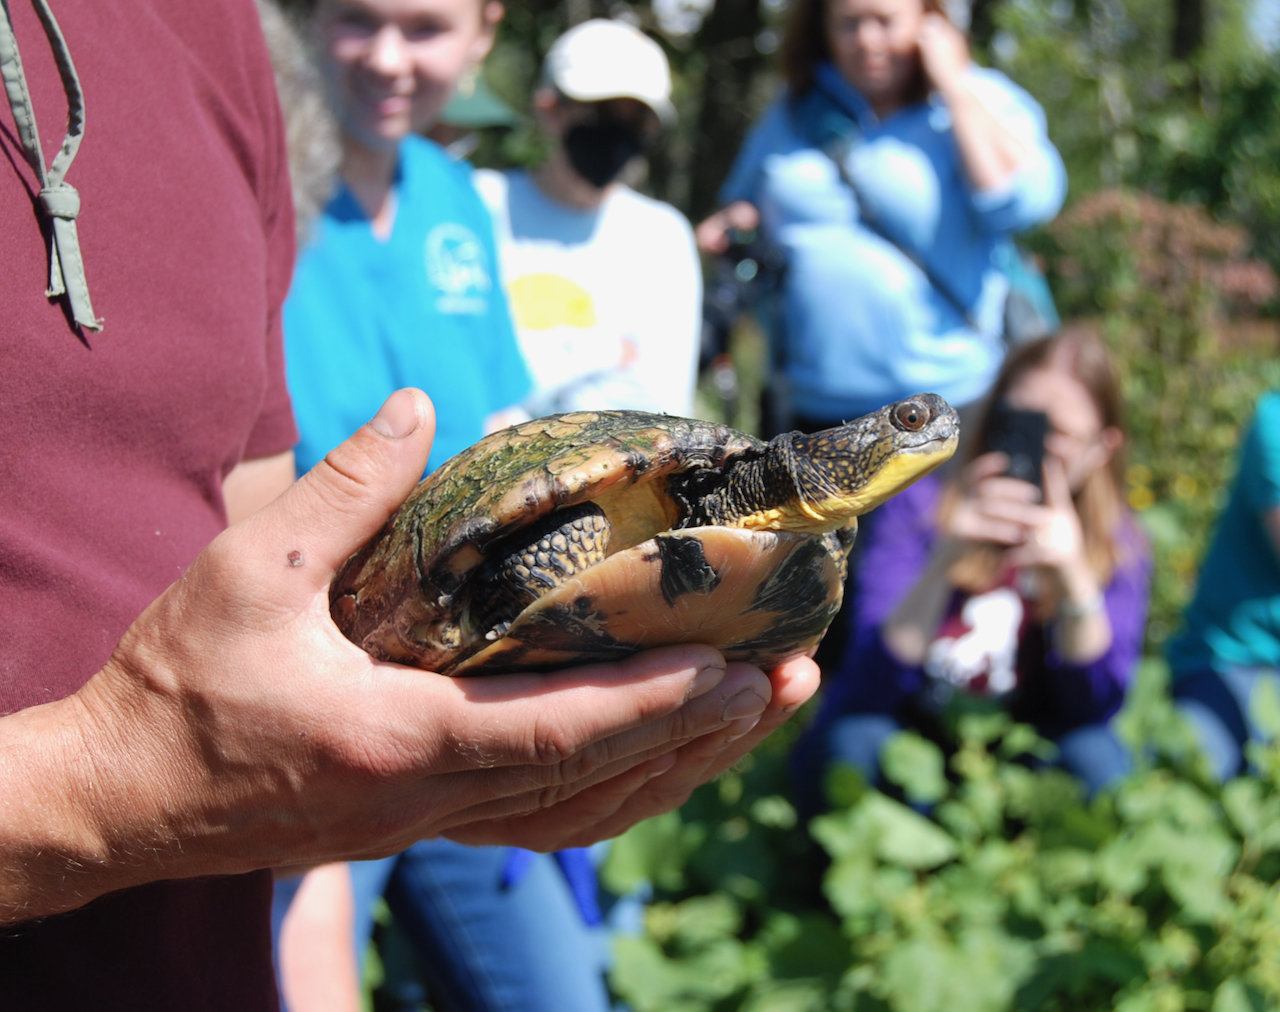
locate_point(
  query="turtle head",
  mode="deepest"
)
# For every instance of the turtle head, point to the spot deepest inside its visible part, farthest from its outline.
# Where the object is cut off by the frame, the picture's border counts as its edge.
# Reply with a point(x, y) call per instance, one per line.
point(843, 472)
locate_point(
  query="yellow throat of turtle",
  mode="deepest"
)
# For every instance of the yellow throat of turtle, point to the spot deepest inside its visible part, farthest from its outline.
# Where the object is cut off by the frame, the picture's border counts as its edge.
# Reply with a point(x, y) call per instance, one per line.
point(834, 510)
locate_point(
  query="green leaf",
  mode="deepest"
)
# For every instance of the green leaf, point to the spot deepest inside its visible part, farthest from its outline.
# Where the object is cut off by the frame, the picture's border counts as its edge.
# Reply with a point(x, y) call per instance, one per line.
point(653, 982)
point(904, 837)
point(980, 973)
point(1242, 800)
point(1264, 707)
point(1066, 868)
point(809, 945)
point(916, 765)
point(1231, 996)
point(650, 851)
point(774, 811)
point(1122, 866)
point(844, 785)
point(703, 920)
point(787, 996)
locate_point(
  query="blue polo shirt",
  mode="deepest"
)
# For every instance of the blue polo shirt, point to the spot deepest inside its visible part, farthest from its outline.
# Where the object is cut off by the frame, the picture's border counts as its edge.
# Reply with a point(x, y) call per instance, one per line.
point(423, 308)
point(1234, 619)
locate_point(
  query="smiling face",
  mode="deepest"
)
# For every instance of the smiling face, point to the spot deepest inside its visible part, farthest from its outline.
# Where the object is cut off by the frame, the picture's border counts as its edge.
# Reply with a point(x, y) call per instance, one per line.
point(1077, 436)
point(874, 46)
point(390, 66)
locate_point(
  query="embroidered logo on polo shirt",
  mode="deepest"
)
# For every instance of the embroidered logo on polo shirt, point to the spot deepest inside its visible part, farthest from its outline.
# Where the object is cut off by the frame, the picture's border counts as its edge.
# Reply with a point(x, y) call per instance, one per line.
point(458, 268)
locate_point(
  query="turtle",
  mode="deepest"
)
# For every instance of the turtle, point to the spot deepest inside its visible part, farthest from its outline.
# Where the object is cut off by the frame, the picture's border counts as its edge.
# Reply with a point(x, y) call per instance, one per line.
point(591, 535)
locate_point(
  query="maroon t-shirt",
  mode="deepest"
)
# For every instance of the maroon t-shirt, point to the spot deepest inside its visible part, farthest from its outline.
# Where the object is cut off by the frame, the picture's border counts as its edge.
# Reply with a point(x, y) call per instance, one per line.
point(113, 445)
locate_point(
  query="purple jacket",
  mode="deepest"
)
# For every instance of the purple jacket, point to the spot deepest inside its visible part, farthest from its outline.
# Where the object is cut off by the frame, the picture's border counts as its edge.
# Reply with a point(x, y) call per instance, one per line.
point(1053, 694)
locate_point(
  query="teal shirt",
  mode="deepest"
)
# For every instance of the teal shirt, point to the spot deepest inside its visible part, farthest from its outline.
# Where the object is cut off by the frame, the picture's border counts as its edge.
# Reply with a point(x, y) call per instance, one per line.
point(423, 308)
point(1234, 620)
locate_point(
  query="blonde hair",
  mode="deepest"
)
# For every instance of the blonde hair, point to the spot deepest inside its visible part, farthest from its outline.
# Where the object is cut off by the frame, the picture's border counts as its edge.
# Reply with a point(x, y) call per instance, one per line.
point(1100, 500)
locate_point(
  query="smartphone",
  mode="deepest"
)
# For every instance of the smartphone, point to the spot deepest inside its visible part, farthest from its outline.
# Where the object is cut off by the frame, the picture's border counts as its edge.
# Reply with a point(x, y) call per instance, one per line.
point(1019, 435)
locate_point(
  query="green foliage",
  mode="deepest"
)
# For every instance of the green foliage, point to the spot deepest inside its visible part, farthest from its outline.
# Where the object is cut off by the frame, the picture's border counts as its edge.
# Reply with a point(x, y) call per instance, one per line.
point(1007, 892)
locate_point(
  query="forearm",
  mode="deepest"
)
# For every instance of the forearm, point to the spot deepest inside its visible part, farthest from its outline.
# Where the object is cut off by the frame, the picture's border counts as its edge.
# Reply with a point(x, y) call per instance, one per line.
point(1083, 626)
point(910, 628)
point(990, 153)
point(52, 854)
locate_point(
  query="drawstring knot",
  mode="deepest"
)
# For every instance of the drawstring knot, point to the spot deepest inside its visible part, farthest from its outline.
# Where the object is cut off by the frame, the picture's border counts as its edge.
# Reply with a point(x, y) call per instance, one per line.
point(59, 200)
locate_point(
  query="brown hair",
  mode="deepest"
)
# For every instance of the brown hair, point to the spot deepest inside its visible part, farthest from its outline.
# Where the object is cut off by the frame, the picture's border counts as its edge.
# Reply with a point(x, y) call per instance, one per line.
point(805, 44)
point(1100, 501)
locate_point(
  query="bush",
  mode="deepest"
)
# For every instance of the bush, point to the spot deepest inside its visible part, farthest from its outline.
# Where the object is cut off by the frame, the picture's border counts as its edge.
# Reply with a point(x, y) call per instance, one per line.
point(1013, 893)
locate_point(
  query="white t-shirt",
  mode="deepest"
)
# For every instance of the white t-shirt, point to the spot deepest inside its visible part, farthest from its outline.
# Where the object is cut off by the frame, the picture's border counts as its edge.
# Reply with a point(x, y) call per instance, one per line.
point(607, 303)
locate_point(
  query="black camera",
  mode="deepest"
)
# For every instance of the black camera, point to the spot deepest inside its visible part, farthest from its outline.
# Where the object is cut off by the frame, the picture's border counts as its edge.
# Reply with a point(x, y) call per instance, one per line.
point(1020, 436)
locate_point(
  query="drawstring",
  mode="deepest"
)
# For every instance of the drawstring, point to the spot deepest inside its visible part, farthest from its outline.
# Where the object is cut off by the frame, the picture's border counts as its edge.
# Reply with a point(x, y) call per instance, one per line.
point(58, 199)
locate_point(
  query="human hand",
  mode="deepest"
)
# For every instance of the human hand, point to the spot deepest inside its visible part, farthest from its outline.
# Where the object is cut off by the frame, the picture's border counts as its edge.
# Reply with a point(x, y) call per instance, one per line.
point(992, 507)
point(712, 235)
point(236, 728)
point(1054, 539)
point(612, 807)
point(1046, 535)
point(944, 52)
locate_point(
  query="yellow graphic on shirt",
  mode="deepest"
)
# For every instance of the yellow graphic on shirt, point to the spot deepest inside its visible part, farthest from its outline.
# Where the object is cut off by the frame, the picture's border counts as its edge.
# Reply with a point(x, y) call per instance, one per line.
point(544, 301)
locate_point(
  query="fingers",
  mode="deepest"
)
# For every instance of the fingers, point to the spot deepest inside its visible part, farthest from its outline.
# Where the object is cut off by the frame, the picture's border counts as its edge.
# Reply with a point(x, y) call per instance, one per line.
point(793, 685)
point(610, 807)
point(548, 829)
point(552, 720)
point(740, 698)
point(347, 497)
point(989, 465)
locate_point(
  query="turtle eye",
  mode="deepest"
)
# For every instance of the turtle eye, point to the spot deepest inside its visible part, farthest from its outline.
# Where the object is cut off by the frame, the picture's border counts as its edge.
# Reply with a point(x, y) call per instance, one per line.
point(910, 416)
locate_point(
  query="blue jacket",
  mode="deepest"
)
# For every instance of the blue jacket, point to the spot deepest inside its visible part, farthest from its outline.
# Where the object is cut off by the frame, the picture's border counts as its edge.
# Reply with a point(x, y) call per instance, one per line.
point(863, 324)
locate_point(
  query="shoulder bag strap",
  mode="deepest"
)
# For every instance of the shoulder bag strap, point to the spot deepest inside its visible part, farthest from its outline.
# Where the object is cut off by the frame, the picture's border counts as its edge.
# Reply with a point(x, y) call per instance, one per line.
point(838, 151)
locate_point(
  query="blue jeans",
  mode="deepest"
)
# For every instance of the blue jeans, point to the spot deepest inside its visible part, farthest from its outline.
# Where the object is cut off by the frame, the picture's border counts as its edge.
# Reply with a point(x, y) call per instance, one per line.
point(1091, 753)
point(484, 947)
point(1217, 704)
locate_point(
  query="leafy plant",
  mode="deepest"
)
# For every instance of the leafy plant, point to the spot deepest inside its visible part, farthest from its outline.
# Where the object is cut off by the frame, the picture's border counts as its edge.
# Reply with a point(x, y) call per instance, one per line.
point(993, 885)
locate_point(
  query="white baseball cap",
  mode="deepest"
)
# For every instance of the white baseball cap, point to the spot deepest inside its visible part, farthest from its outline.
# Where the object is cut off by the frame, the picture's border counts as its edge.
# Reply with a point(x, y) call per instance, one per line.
point(602, 59)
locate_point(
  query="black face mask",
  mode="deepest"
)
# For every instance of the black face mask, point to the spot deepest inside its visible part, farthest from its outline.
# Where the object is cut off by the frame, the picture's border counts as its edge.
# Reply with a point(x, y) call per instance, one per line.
point(598, 151)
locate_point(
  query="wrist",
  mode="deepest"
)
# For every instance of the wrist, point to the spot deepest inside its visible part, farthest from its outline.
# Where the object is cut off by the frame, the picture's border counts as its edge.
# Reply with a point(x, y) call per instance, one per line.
point(1079, 608)
point(52, 852)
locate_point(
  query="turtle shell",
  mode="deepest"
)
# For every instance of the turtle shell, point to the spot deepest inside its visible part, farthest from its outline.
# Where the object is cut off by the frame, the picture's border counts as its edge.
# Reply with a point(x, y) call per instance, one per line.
point(759, 596)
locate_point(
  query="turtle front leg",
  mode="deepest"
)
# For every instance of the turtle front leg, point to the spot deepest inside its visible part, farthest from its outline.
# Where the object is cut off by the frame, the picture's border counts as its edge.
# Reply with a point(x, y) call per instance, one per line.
point(533, 562)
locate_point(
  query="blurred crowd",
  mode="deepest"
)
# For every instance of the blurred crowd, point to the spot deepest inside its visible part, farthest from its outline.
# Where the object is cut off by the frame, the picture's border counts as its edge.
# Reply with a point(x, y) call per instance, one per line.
point(877, 200)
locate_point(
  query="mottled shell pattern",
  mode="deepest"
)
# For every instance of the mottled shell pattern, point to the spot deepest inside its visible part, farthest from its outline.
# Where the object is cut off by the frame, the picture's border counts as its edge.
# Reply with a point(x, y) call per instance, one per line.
point(759, 595)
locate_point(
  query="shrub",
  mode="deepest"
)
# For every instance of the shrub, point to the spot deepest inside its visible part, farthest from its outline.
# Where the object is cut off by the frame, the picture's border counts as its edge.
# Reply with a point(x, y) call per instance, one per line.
point(1011, 893)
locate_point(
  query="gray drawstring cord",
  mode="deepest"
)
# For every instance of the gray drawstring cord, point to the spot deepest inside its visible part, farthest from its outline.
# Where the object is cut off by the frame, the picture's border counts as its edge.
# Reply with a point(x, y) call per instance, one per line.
point(58, 199)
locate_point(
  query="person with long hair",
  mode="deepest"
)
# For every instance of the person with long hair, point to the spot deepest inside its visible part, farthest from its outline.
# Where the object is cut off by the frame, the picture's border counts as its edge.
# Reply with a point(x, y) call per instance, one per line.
point(983, 586)
point(891, 174)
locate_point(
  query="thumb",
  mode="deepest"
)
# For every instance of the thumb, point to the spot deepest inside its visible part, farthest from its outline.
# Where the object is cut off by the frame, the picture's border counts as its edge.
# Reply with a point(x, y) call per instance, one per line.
point(346, 499)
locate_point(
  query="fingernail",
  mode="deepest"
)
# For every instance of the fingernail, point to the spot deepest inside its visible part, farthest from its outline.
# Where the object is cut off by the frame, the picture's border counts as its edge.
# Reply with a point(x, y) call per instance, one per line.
point(703, 682)
point(660, 766)
point(739, 727)
point(397, 417)
point(745, 704)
